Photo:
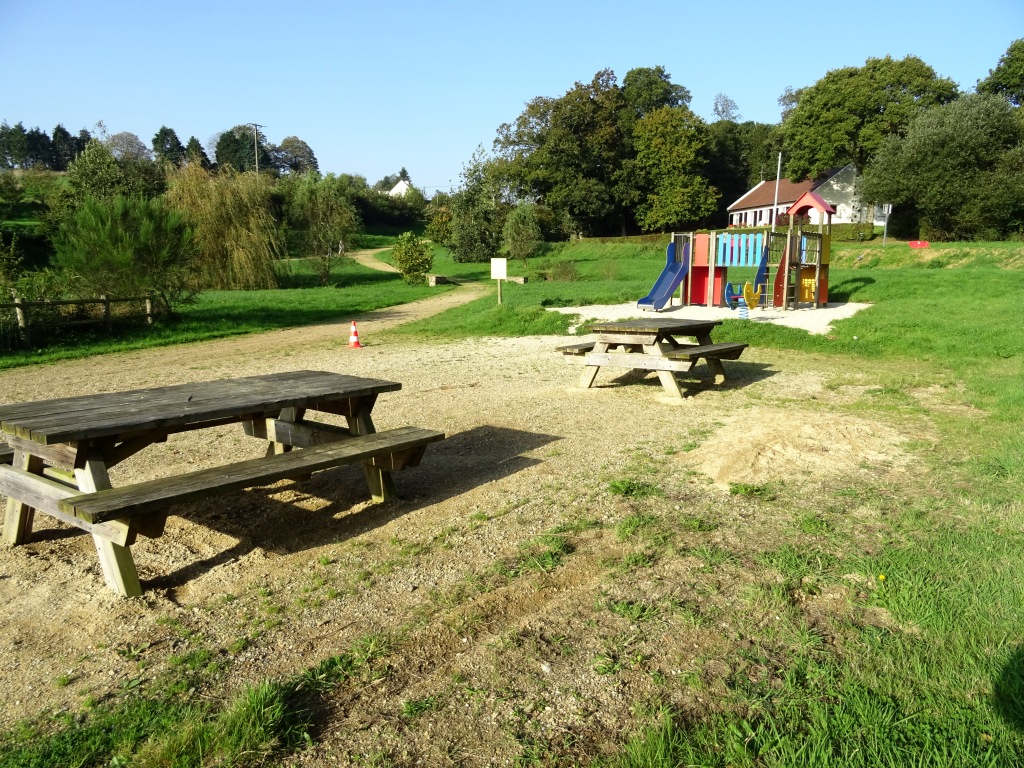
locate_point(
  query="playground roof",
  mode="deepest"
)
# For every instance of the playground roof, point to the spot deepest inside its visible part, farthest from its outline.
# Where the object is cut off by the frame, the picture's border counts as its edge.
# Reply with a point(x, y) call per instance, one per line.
point(809, 200)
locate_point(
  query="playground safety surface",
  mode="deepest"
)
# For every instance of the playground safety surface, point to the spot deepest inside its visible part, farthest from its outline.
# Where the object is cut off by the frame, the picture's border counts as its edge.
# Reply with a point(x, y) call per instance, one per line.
point(817, 321)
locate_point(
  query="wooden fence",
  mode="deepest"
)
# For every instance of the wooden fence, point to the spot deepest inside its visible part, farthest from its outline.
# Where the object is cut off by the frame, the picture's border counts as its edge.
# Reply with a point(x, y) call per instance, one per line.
point(23, 309)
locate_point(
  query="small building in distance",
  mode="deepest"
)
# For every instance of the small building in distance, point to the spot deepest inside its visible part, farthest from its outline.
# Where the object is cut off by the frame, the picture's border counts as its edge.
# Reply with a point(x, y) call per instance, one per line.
point(400, 188)
point(837, 188)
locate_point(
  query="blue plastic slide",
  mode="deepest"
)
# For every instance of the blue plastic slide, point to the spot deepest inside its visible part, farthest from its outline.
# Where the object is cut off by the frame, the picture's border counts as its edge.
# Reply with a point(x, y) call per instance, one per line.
point(673, 274)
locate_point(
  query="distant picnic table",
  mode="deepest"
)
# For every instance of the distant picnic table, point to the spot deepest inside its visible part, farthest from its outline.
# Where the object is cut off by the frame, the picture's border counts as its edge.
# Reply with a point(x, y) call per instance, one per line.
point(59, 452)
point(653, 344)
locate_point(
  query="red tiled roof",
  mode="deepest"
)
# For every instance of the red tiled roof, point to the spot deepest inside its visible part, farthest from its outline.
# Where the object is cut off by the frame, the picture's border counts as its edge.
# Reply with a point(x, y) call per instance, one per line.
point(763, 195)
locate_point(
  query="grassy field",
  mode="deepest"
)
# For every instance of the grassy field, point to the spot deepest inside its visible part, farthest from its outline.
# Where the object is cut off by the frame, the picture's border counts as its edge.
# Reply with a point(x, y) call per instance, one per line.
point(941, 683)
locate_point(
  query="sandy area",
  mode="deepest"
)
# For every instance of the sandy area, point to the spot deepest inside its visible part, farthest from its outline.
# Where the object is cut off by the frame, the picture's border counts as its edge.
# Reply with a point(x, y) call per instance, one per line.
point(817, 321)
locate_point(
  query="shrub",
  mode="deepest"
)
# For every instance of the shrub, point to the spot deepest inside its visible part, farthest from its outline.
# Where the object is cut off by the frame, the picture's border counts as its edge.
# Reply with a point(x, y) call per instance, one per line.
point(128, 247)
point(413, 257)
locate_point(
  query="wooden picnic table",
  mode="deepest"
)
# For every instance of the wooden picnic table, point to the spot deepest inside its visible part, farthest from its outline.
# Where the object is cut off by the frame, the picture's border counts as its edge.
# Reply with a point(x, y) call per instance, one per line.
point(64, 448)
point(653, 344)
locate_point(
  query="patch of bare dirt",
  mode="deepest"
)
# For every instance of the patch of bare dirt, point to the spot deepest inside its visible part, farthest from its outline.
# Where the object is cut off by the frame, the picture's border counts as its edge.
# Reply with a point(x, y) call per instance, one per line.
point(486, 655)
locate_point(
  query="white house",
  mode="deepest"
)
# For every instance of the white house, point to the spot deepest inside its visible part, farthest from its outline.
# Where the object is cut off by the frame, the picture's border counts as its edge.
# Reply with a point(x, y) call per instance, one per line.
point(837, 188)
point(400, 188)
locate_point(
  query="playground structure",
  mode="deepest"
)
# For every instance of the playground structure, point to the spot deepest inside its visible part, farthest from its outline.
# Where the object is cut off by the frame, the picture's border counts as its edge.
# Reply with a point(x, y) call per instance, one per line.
point(791, 267)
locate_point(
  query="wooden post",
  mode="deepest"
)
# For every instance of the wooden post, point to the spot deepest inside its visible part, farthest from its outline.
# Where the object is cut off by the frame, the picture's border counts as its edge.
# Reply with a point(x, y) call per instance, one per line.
point(149, 310)
point(106, 311)
point(22, 316)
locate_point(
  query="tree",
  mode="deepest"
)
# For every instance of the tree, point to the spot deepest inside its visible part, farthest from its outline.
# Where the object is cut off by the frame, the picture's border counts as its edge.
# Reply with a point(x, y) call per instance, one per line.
point(167, 147)
point(646, 89)
point(96, 173)
point(1007, 79)
point(670, 145)
point(127, 146)
point(294, 155)
point(322, 219)
point(13, 147)
point(739, 156)
point(439, 219)
point(847, 115)
point(726, 109)
point(128, 247)
point(575, 154)
point(413, 257)
point(195, 154)
point(960, 168)
point(238, 238)
point(521, 235)
point(39, 149)
point(478, 213)
point(64, 148)
point(244, 148)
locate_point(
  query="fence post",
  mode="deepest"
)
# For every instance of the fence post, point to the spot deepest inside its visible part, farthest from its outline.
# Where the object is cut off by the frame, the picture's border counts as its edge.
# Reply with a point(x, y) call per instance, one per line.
point(106, 311)
point(149, 309)
point(22, 316)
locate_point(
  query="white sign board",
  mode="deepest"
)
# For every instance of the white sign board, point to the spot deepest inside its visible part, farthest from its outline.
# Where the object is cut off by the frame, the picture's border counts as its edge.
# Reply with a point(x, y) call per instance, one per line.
point(499, 269)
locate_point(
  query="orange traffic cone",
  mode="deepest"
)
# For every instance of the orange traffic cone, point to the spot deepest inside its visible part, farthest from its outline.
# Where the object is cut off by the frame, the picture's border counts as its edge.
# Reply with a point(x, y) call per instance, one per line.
point(353, 339)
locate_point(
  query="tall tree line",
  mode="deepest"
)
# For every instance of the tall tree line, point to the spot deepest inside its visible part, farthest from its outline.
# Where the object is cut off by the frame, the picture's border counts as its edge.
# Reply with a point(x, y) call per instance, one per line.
point(611, 158)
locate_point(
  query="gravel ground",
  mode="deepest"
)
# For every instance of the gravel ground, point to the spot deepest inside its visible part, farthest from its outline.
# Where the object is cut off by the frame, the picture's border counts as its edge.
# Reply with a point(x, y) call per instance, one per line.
point(275, 580)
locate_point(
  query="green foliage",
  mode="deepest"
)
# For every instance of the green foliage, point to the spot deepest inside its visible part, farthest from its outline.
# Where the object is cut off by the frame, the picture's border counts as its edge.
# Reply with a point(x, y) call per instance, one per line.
point(848, 114)
point(129, 247)
point(478, 213)
point(521, 234)
point(293, 155)
point(1007, 79)
point(439, 219)
point(670, 145)
point(413, 257)
point(633, 489)
point(167, 147)
point(244, 148)
point(322, 221)
point(238, 238)
point(959, 168)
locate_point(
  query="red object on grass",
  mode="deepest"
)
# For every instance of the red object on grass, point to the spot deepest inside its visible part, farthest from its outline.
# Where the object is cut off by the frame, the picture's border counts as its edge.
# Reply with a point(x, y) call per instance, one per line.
point(918, 243)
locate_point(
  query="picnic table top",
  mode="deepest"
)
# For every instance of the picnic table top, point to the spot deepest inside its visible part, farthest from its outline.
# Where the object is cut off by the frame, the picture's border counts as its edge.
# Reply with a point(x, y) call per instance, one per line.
point(107, 414)
point(654, 325)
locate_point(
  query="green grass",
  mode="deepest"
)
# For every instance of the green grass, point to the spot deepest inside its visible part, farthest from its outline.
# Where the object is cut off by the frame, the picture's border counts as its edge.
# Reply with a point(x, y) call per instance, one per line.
point(218, 314)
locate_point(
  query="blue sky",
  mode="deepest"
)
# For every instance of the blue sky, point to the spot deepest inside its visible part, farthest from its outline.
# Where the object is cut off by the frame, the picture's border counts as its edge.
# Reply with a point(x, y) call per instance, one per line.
point(373, 87)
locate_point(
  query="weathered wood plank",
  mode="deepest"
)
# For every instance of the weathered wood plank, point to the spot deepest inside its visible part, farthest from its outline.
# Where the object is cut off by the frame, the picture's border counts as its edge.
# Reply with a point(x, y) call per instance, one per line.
point(575, 349)
point(93, 416)
point(655, 325)
point(725, 351)
point(45, 495)
point(148, 496)
point(632, 360)
point(297, 433)
point(61, 455)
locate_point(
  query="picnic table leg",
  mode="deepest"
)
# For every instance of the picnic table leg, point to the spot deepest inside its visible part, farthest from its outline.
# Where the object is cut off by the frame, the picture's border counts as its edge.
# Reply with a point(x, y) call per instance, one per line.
point(713, 362)
point(590, 371)
point(19, 517)
point(382, 485)
point(670, 384)
point(115, 560)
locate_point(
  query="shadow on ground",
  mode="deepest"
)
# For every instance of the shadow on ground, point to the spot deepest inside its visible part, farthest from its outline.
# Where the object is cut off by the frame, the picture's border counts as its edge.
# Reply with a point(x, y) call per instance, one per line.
point(271, 518)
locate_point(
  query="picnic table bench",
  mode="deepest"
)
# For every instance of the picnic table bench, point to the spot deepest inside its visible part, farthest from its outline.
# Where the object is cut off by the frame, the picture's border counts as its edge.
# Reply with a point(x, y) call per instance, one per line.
point(652, 345)
point(61, 451)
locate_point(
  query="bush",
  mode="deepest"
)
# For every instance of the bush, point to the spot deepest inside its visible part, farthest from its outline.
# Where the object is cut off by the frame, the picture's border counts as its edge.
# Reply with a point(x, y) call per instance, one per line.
point(129, 247)
point(413, 257)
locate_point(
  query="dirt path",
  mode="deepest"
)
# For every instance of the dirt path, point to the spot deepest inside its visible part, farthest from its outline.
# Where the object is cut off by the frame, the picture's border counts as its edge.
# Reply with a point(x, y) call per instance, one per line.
point(217, 357)
point(367, 258)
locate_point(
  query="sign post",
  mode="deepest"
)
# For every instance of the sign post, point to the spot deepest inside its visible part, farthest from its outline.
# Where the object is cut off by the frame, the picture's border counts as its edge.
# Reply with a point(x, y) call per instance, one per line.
point(499, 272)
point(886, 209)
